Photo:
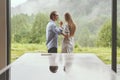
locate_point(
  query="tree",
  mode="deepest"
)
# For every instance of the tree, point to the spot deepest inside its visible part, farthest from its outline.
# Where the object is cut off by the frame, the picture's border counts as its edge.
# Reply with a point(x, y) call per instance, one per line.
point(20, 28)
point(38, 30)
point(84, 38)
point(105, 35)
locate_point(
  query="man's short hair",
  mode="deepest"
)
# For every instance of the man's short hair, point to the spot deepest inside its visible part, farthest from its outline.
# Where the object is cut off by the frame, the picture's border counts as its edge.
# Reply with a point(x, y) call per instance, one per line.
point(53, 13)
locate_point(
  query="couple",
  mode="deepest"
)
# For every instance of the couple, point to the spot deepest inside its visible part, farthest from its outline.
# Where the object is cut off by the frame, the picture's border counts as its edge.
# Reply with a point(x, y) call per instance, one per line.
point(52, 32)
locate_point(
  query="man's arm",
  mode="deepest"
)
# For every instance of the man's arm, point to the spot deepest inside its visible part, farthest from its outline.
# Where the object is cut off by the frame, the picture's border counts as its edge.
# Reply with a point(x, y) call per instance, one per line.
point(57, 30)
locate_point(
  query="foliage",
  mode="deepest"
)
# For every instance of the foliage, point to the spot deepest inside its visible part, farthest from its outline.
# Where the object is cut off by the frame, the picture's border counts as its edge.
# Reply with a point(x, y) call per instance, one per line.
point(85, 39)
point(29, 29)
point(105, 35)
point(103, 53)
point(20, 28)
point(38, 30)
point(104, 38)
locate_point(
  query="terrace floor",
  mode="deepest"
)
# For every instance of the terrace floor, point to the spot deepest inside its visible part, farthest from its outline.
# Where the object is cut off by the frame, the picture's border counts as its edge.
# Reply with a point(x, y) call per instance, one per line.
point(33, 66)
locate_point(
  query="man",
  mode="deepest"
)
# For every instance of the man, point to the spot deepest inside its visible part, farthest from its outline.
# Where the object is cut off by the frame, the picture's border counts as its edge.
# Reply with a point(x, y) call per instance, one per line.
point(52, 32)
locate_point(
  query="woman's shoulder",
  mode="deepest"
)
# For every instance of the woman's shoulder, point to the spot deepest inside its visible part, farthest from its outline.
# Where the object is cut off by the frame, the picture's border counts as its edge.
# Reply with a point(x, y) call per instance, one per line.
point(66, 28)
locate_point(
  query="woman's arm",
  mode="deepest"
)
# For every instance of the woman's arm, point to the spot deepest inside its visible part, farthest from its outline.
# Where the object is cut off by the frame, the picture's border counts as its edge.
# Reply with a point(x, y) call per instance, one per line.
point(65, 35)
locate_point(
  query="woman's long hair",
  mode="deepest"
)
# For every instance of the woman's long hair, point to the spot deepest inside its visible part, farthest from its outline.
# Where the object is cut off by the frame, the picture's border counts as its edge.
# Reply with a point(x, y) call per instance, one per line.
point(72, 26)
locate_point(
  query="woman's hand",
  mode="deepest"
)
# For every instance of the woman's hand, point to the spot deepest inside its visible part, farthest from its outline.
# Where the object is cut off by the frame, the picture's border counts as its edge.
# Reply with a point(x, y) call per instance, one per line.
point(65, 36)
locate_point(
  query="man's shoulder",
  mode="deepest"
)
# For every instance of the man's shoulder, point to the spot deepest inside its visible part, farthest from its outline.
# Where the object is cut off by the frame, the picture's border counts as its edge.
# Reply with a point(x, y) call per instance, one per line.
point(51, 24)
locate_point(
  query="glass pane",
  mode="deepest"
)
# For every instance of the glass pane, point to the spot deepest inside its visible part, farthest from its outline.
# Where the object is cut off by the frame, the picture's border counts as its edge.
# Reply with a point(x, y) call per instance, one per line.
point(91, 17)
point(118, 37)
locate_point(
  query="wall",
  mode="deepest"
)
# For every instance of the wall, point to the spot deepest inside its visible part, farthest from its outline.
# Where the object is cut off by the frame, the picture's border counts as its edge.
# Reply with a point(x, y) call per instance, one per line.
point(3, 37)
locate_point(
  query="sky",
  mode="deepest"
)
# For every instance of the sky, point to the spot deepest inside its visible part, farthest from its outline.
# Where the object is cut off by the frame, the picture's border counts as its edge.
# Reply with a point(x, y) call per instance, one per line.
point(15, 3)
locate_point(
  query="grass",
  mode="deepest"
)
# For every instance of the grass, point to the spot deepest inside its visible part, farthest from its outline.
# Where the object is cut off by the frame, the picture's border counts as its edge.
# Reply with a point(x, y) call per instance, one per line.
point(103, 53)
point(19, 49)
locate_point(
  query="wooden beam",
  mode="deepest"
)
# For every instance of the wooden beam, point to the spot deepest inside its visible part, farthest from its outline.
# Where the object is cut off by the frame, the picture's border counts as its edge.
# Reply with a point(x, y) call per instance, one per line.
point(3, 34)
point(4, 38)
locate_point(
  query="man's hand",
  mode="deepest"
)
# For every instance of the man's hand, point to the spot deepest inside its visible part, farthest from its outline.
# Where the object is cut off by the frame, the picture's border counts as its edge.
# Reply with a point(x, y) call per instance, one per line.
point(61, 23)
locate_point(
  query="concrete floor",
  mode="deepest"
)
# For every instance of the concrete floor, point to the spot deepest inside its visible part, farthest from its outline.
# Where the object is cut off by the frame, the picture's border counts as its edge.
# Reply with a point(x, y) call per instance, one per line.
point(33, 66)
point(118, 71)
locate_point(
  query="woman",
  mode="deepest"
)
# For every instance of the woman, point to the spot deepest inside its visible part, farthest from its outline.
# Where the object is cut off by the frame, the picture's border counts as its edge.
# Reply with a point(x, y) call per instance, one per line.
point(68, 32)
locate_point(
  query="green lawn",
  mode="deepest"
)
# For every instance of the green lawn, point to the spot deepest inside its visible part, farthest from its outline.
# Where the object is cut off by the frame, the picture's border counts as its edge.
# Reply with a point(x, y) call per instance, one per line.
point(103, 53)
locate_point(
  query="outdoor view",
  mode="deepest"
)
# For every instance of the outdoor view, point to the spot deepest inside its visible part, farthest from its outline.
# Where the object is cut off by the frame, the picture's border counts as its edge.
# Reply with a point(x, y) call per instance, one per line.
point(93, 26)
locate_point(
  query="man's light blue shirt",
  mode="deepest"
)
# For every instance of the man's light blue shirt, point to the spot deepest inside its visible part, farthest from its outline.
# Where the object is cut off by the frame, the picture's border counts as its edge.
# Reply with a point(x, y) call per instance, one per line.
point(52, 32)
